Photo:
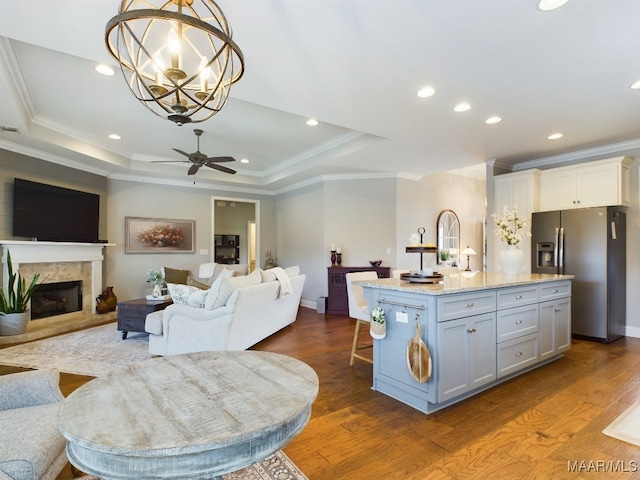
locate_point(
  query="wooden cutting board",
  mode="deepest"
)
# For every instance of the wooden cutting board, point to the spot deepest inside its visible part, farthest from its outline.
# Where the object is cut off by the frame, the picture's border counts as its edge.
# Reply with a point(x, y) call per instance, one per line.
point(418, 358)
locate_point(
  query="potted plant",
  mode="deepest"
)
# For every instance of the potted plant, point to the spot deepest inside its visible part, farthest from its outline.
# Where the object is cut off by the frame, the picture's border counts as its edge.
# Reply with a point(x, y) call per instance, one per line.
point(14, 303)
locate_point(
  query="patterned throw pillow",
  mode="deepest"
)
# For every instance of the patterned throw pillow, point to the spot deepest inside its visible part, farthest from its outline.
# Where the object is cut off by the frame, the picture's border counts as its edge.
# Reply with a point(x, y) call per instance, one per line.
point(187, 295)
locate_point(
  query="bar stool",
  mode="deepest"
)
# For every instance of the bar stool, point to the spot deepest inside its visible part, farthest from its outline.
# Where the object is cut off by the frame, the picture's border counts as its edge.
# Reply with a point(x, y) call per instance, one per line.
point(359, 311)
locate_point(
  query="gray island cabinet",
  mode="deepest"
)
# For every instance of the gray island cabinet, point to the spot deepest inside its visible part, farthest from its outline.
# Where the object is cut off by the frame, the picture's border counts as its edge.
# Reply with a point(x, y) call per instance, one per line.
point(480, 329)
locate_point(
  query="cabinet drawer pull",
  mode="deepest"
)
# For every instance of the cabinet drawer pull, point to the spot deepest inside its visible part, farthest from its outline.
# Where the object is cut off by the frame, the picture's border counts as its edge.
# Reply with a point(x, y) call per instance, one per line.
point(519, 354)
point(469, 305)
point(558, 310)
point(518, 322)
point(555, 291)
point(518, 297)
point(471, 330)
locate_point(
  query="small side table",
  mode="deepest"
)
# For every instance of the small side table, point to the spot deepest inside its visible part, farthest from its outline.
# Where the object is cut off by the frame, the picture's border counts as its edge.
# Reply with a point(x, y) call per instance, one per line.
point(133, 313)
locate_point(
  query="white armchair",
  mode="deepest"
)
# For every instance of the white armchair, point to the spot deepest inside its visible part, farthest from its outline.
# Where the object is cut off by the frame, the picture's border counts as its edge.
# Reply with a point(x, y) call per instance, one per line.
point(31, 447)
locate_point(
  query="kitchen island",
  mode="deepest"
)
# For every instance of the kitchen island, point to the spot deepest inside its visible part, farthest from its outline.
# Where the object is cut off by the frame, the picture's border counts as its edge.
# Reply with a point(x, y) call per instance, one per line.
point(480, 329)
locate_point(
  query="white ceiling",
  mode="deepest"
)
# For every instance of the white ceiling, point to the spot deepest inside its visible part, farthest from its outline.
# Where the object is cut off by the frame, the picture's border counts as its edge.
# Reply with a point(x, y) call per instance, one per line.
point(356, 67)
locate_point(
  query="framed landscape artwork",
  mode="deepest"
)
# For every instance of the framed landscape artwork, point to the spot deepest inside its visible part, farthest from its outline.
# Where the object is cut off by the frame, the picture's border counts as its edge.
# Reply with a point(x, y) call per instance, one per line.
point(159, 235)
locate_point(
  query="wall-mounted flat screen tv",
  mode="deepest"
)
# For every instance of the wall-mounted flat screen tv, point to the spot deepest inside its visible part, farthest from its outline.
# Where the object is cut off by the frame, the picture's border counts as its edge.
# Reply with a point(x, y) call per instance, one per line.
point(49, 213)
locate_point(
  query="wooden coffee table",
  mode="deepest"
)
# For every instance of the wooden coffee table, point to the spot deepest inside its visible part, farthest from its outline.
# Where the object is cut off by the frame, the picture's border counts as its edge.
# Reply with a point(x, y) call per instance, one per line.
point(133, 313)
point(193, 416)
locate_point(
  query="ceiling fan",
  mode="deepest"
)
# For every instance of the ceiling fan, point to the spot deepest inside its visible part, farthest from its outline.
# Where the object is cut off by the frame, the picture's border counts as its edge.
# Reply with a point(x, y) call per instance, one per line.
point(199, 159)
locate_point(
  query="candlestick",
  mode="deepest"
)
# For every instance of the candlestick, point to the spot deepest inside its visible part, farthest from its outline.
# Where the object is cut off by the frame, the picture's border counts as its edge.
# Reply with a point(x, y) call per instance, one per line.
point(339, 258)
point(333, 258)
point(338, 250)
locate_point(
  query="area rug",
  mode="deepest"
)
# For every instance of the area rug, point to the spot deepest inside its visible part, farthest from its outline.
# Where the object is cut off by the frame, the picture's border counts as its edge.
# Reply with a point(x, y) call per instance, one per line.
point(93, 352)
point(276, 467)
point(627, 426)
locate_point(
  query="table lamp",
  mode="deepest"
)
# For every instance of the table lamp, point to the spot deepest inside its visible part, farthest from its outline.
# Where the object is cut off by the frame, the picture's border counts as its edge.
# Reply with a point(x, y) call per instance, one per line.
point(468, 252)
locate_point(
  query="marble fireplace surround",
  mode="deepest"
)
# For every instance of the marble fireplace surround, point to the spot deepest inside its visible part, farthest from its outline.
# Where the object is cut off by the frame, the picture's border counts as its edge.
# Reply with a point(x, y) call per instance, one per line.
point(58, 262)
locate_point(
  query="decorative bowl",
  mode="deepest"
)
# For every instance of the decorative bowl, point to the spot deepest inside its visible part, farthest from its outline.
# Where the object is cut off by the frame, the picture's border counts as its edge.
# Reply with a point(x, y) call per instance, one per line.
point(375, 263)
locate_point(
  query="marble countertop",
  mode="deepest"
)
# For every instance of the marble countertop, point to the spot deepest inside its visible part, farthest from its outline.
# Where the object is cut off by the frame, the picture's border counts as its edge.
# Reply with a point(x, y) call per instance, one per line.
point(463, 282)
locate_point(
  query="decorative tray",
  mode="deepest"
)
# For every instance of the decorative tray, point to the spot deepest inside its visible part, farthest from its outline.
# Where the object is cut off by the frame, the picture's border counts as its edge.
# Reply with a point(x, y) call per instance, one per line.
point(419, 278)
point(421, 249)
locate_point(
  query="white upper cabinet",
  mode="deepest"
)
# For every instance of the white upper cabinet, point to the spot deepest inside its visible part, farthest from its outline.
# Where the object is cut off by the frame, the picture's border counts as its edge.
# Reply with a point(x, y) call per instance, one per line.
point(516, 190)
point(594, 184)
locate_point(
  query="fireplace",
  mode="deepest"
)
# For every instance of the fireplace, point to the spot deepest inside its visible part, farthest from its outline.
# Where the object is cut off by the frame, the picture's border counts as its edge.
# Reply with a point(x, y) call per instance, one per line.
point(59, 262)
point(57, 298)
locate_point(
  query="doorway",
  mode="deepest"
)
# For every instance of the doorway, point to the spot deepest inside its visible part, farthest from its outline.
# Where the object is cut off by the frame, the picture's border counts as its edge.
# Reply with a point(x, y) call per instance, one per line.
point(238, 218)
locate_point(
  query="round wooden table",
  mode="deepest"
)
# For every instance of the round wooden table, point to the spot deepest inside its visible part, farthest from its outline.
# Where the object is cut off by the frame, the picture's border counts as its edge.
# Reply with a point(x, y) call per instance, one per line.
point(193, 416)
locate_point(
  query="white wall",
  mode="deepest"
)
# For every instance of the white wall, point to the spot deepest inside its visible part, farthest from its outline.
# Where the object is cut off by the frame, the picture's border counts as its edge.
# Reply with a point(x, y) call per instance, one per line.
point(127, 273)
point(420, 203)
point(300, 227)
point(366, 216)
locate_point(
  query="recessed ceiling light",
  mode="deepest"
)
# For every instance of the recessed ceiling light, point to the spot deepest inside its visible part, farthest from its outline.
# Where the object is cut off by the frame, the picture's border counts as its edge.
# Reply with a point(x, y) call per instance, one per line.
point(462, 107)
point(546, 5)
point(636, 85)
point(493, 120)
point(425, 92)
point(244, 160)
point(104, 69)
point(555, 136)
point(312, 122)
point(115, 136)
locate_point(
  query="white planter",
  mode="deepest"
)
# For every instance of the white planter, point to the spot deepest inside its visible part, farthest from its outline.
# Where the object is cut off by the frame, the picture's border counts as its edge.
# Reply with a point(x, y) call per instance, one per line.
point(14, 323)
point(511, 259)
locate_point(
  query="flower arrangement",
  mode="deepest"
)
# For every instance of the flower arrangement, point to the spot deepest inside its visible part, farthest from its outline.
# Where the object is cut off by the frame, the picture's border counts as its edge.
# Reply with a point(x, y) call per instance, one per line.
point(155, 277)
point(508, 226)
point(161, 236)
point(378, 328)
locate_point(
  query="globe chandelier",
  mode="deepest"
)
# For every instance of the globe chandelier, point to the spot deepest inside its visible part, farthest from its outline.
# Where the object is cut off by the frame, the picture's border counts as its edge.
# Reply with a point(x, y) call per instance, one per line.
point(177, 56)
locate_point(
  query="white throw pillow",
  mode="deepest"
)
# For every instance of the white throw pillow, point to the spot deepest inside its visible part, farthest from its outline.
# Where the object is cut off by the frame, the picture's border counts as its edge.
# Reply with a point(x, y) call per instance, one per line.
point(267, 276)
point(230, 284)
point(186, 294)
point(292, 271)
point(214, 291)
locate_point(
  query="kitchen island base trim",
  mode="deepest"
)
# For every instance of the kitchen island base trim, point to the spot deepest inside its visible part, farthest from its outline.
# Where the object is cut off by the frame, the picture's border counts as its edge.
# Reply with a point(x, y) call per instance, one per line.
point(419, 403)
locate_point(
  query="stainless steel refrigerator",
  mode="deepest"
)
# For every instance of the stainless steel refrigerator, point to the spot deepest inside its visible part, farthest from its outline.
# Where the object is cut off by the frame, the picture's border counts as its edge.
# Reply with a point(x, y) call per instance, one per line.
point(589, 243)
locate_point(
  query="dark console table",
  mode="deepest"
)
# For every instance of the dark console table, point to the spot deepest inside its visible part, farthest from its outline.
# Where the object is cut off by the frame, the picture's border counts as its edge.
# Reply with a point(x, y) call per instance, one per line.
point(337, 300)
point(133, 313)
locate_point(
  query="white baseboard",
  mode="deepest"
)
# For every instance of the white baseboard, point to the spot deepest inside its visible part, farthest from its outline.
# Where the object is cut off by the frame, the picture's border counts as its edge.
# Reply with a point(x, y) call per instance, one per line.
point(632, 332)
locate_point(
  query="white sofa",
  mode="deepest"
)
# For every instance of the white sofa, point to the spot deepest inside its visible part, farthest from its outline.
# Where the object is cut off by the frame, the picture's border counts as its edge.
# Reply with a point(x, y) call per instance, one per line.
point(250, 314)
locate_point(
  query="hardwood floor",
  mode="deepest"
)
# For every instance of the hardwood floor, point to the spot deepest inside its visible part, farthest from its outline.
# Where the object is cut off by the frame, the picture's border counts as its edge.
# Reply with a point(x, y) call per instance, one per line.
point(533, 426)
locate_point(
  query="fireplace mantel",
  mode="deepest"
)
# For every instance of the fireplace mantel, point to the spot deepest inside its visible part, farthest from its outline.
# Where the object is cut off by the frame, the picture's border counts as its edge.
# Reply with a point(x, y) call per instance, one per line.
point(24, 252)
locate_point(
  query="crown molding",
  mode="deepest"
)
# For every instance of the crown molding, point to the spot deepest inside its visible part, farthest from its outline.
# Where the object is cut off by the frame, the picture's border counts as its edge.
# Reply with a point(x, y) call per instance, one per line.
point(580, 155)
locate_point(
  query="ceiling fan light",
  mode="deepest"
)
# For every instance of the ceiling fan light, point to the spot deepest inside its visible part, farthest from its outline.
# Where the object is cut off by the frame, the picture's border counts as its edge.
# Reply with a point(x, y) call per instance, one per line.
point(193, 39)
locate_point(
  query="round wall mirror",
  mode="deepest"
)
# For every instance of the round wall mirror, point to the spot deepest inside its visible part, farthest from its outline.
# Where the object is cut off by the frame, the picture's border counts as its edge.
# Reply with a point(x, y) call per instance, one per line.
point(448, 238)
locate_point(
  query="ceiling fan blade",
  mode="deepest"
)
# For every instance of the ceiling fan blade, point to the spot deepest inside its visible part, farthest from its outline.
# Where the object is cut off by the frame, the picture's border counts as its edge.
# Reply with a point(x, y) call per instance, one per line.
point(169, 161)
point(220, 167)
point(181, 152)
point(220, 159)
point(193, 169)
